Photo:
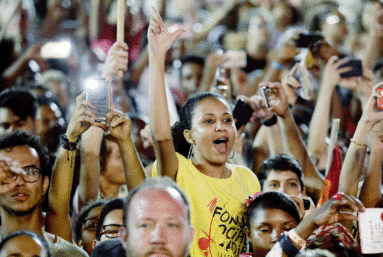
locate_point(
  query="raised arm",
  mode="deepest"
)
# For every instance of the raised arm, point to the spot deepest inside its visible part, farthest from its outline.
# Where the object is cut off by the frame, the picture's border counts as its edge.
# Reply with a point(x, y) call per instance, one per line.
point(120, 128)
point(330, 213)
point(370, 194)
point(292, 141)
point(57, 219)
point(160, 40)
point(353, 162)
point(89, 183)
point(321, 116)
point(373, 48)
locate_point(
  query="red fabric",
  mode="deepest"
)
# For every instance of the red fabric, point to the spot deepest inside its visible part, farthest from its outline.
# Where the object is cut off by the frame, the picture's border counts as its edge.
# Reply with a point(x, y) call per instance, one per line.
point(331, 183)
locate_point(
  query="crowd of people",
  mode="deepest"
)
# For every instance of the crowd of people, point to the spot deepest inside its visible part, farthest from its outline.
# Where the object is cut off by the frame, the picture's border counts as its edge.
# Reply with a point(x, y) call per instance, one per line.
point(205, 131)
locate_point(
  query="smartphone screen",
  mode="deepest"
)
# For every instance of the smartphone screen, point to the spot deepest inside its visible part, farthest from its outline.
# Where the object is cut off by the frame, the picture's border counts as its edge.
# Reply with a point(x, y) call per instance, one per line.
point(242, 113)
point(56, 50)
point(97, 92)
point(356, 69)
point(265, 91)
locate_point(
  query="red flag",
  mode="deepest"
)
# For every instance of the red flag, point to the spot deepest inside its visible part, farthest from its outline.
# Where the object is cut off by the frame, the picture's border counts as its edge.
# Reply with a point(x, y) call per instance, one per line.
point(331, 182)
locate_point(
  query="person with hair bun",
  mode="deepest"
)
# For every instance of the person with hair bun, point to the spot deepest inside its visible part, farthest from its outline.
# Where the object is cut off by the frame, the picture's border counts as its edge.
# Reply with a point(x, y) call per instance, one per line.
point(195, 154)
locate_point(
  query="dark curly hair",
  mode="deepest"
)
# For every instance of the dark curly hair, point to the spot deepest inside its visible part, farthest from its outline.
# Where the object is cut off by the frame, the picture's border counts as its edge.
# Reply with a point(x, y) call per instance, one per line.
point(20, 138)
point(185, 122)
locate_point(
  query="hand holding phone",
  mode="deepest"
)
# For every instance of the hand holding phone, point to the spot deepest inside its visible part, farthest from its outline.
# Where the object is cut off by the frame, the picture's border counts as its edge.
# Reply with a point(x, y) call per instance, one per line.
point(356, 69)
point(242, 113)
point(265, 91)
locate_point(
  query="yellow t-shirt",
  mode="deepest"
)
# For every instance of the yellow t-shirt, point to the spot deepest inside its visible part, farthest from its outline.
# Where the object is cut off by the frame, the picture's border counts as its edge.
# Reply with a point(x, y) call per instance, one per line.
point(217, 209)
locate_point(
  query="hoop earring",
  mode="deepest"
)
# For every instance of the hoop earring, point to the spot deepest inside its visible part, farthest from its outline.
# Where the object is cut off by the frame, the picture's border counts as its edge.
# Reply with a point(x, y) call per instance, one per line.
point(191, 152)
point(232, 156)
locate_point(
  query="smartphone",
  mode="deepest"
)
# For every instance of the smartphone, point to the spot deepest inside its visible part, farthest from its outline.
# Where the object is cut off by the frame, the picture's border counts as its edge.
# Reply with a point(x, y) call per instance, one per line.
point(356, 69)
point(379, 101)
point(304, 40)
point(306, 204)
point(265, 91)
point(56, 50)
point(242, 113)
point(97, 92)
point(236, 59)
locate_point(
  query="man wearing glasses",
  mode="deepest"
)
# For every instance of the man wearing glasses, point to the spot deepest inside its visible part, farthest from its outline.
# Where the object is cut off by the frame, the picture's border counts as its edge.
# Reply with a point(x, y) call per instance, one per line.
point(22, 189)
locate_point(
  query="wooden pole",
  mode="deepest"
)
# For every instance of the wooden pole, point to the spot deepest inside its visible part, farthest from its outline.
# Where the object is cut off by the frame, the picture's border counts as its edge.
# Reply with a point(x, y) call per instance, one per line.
point(120, 25)
point(334, 139)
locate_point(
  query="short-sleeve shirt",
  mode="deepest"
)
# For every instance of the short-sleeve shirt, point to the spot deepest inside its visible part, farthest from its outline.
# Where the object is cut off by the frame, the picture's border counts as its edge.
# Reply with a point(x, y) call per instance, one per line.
point(217, 208)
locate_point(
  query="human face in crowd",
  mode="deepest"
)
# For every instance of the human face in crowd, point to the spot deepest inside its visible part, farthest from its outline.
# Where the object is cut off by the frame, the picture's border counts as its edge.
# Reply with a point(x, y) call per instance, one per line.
point(114, 169)
point(335, 28)
point(23, 246)
point(60, 91)
point(213, 131)
point(112, 225)
point(191, 77)
point(283, 181)
point(10, 122)
point(157, 224)
point(258, 31)
point(266, 226)
point(88, 233)
point(24, 197)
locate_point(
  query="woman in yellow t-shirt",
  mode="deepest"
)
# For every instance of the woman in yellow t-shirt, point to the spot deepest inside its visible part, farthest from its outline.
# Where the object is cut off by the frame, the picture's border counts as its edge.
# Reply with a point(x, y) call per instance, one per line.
point(195, 152)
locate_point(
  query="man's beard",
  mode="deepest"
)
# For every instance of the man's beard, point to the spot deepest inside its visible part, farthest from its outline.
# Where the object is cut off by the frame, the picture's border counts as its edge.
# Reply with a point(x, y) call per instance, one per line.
point(17, 213)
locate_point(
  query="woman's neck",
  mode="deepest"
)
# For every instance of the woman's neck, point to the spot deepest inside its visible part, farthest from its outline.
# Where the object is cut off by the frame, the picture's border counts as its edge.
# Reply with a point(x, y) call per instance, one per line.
point(212, 170)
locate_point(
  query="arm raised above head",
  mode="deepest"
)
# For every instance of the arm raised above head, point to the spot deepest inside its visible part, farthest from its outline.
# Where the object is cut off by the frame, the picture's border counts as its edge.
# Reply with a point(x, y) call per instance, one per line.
point(160, 41)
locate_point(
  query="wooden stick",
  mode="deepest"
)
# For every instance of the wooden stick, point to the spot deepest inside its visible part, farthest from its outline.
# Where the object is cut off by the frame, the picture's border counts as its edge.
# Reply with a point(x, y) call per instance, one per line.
point(120, 25)
point(334, 139)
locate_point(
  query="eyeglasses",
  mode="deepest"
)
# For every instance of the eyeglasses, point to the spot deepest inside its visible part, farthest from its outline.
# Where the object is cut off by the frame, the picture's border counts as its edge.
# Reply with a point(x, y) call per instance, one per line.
point(90, 224)
point(30, 175)
point(111, 231)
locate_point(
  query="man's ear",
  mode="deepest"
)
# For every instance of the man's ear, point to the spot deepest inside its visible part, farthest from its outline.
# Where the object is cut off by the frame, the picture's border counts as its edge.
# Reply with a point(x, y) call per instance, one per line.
point(37, 124)
point(188, 137)
point(94, 243)
point(123, 236)
point(45, 184)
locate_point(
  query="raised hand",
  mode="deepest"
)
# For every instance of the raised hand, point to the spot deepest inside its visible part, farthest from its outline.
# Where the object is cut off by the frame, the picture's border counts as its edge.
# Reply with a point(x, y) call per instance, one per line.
point(8, 169)
point(371, 114)
point(119, 125)
point(277, 99)
point(291, 84)
point(333, 210)
point(331, 73)
point(160, 39)
point(82, 118)
point(116, 60)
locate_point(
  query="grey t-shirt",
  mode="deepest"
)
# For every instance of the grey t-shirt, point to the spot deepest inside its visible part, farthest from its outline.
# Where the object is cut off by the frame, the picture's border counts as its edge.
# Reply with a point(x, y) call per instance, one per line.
point(64, 248)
